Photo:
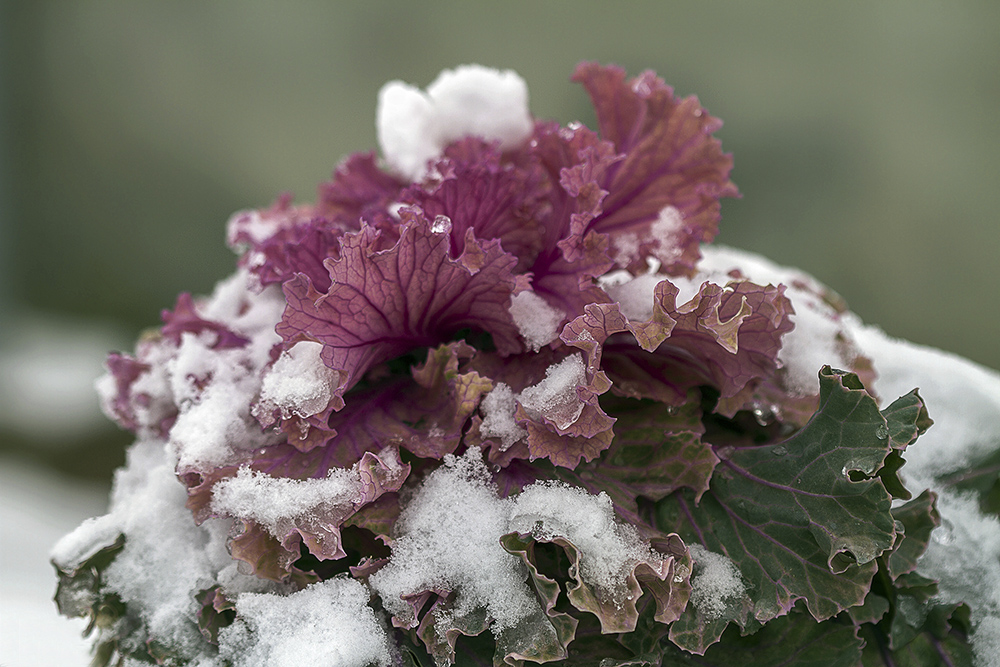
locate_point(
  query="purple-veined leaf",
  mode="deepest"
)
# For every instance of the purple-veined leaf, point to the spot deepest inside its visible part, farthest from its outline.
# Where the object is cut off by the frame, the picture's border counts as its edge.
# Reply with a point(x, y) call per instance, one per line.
point(384, 302)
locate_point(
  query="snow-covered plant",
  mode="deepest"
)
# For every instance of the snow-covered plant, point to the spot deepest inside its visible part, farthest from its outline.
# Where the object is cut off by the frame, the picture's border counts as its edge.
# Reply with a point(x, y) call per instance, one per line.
point(493, 399)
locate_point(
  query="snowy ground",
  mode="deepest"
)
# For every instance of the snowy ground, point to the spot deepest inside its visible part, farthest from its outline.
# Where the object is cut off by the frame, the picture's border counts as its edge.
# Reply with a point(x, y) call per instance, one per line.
point(36, 509)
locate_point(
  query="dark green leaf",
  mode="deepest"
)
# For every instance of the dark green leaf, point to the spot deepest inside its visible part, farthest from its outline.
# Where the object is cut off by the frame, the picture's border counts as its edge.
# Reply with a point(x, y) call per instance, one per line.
point(215, 612)
point(795, 639)
point(906, 419)
point(918, 517)
point(803, 519)
point(657, 449)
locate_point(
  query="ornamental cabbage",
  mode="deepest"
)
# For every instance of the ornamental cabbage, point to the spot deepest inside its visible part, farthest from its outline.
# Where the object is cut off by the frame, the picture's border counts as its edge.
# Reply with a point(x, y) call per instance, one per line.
point(494, 399)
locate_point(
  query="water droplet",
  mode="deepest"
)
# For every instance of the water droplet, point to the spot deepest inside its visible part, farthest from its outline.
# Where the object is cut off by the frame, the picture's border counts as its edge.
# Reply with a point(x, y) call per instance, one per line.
point(779, 450)
point(882, 432)
point(495, 468)
point(441, 225)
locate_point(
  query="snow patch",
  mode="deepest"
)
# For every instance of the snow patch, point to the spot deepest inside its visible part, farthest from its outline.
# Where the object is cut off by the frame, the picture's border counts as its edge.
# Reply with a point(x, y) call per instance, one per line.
point(555, 397)
point(447, 539)
point(327, 624)
point(536, 320)
point(298, 383)
point(716, 583)
point(498, 417)
point(414, 127)
point(609, 550)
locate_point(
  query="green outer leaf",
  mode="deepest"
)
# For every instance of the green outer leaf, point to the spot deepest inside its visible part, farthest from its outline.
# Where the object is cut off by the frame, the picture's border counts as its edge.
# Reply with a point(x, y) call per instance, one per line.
point(657, 449)
point(872, 611)
point(215, 612)
point(907, 419)
point(941, 639)
point(548, 593)
point(919, 517)
point(795, 639)
point(791, 517)
point(79, 590)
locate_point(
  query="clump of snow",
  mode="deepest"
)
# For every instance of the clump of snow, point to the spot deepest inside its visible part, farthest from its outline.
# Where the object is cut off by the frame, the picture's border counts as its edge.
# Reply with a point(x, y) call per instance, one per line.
point(609, 550)
point(963, 399)
point(166, 560)
point(299, 383)
point(716, 582)
point(275, 503)
point(328, 624)
point(447, 539)
point(964, 556)
point(414, 126)
point(272, 501)
point(498, 417)
point(633, 294)
point(555, 397)
point(536, 320)
point(209, 390)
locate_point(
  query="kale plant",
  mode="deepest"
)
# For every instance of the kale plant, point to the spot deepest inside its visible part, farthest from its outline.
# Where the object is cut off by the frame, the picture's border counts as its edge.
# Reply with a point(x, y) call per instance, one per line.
point(495, 399)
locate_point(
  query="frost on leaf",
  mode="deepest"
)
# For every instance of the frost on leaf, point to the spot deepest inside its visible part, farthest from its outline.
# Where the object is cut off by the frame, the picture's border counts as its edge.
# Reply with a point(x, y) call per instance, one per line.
point(552, 412)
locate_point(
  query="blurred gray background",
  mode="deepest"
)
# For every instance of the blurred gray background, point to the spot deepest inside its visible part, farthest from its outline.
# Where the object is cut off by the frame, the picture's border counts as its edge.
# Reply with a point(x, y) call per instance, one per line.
point(865, 134)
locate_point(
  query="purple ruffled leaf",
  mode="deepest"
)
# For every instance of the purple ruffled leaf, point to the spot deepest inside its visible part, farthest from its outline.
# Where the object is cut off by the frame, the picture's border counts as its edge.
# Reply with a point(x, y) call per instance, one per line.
point(476, 190)
point(727, 338)
point(125, 370)
point(283, 240)
point(671, 163)
point(359, 191)
point(319, 528)
point(586, 431)
point(425, 414)
point(575, 160)
point(384, 302)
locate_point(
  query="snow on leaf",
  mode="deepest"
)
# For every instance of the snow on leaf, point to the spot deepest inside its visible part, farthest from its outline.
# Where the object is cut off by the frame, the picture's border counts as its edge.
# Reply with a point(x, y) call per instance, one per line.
point(384, 302)
point(553, 402)
point(185, 318)
point(294, 511)
point(792, 516)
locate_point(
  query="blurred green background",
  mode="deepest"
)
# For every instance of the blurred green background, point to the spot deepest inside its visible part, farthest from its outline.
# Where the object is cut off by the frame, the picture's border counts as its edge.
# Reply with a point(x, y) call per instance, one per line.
point(866, 139)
